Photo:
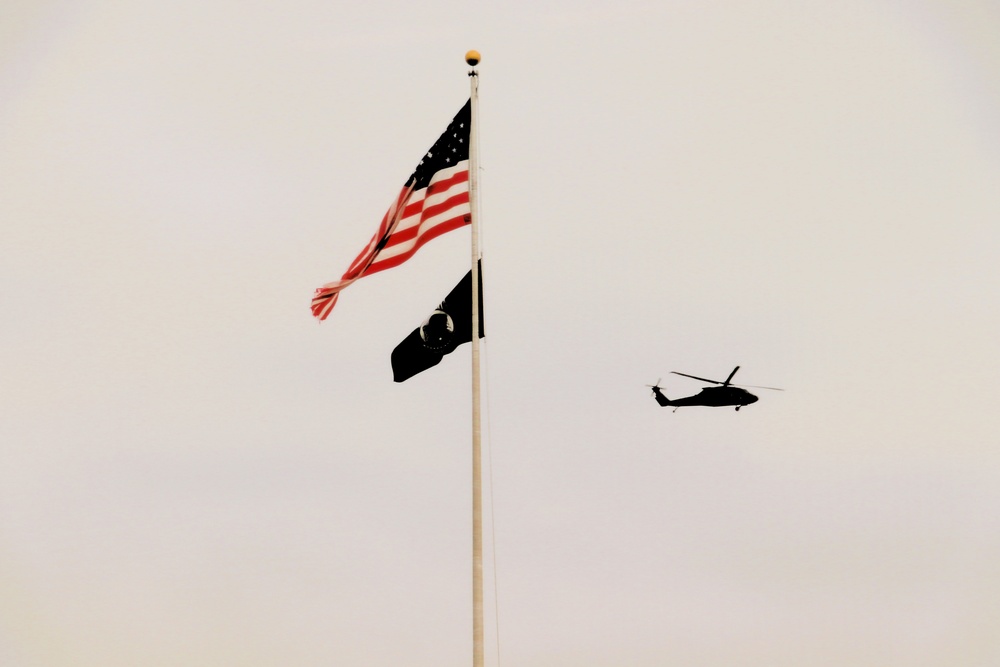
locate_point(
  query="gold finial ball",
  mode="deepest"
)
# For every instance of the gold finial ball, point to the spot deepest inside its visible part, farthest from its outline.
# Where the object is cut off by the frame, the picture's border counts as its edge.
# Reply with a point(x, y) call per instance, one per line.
point(473, 58)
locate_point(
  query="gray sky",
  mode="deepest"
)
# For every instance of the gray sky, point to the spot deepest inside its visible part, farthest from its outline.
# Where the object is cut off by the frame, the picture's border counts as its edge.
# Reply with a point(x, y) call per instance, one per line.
point(193, 472)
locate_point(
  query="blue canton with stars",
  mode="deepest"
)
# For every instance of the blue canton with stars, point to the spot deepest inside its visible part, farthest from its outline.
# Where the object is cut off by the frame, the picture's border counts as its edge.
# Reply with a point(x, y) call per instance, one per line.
point(451, 148)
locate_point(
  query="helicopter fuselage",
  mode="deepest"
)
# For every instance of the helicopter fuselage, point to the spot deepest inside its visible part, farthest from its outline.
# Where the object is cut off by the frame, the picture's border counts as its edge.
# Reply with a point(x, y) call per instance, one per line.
point(709, 396)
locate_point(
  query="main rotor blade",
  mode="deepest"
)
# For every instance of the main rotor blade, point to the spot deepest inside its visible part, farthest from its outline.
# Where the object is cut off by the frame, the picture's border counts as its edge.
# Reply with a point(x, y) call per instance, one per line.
point(695, 377)
point(730, 376)
point(756, 386)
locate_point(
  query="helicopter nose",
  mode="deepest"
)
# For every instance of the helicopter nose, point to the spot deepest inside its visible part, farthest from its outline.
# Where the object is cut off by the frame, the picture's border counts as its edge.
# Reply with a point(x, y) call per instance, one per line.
point(751, 399)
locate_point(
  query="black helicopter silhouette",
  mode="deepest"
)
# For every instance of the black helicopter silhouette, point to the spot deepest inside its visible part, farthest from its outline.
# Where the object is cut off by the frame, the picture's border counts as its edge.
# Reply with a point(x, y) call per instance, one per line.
point(725, 394)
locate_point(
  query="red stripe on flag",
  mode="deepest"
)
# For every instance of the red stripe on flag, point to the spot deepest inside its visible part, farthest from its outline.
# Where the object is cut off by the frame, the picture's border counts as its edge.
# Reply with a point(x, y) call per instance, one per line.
point(436, 231)
point(444, 184)
point(321, 306)
point(414, 231)
point(420, 196)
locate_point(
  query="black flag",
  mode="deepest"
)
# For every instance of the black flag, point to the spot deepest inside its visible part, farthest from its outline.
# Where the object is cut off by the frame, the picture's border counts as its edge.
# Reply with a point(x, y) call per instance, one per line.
point(448, 326)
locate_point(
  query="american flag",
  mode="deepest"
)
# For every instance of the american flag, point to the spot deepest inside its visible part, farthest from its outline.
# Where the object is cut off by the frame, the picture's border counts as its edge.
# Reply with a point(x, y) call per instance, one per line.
point(434, 200)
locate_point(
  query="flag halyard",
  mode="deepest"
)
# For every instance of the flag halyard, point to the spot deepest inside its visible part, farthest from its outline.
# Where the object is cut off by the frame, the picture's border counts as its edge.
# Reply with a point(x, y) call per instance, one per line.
point(433, 201)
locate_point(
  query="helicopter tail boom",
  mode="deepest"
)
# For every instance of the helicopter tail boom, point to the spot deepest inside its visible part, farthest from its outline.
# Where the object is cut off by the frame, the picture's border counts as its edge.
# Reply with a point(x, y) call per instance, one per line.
point(660, 398)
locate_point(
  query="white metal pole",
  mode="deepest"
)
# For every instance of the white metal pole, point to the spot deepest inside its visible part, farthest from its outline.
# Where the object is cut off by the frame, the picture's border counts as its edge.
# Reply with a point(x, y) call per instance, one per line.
point(472, 58)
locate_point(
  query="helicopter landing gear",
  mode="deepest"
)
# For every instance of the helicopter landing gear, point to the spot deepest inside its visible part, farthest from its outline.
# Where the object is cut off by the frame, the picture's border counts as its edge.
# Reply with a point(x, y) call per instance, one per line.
point(738, 408)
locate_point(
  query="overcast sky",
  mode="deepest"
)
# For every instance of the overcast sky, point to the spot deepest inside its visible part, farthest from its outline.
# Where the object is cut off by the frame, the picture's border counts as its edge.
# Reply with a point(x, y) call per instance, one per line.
point(194, 472)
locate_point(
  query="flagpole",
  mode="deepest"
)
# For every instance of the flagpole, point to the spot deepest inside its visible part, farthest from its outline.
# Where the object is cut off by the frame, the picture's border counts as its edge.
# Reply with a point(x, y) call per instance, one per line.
point(472, 58)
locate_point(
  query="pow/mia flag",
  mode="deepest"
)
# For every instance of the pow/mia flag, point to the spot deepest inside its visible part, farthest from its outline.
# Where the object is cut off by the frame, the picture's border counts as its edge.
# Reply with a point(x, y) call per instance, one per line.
point(448, 326)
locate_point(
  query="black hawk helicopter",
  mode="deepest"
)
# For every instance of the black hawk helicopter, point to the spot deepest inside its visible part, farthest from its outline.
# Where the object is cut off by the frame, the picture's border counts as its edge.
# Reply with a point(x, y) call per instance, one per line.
point(724, 395)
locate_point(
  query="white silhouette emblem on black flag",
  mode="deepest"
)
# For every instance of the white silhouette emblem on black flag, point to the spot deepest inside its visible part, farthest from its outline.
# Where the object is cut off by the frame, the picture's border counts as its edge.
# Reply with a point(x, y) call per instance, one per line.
point(448, 326)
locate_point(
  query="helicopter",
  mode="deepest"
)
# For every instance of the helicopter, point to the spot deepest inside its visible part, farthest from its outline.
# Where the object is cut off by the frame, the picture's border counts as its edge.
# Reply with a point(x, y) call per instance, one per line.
point(725, 394)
